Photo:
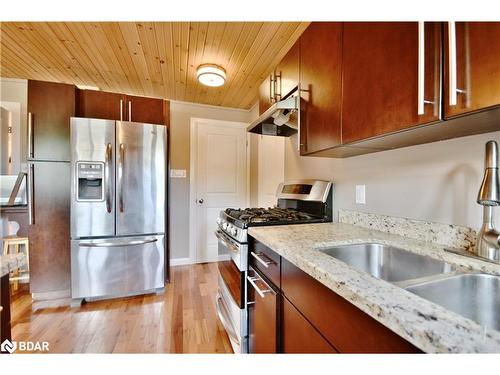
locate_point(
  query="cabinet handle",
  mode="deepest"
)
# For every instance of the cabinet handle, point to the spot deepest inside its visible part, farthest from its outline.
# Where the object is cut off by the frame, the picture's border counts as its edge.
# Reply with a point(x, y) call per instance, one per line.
point(271, 85)
point(265, 263)
point(277, 94)
point(452, 64)
point(421, 70)
point(121, 109)
point(261, 292)
point(129, 110)
point(30, 135)
point(31, 211)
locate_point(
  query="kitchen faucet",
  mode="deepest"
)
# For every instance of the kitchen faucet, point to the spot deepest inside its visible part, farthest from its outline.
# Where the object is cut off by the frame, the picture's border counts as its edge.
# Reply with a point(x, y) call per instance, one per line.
point(488, 238)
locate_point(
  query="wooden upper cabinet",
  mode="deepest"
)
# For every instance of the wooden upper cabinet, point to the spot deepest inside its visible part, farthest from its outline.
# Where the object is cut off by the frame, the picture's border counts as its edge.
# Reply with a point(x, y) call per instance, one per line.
point(477, 76)
point(381, 77)
point(147, 110)
point(287, 72)
point(50, 106)
point(320, 86)
point(101, 104)
point(266, 98)
point(113, 106)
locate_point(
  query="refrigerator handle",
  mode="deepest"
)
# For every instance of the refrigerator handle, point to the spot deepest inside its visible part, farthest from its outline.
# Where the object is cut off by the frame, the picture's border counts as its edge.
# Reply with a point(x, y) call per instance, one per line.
point(107, 176)
point(31, 211)
point(121, 162)
point(118, 243)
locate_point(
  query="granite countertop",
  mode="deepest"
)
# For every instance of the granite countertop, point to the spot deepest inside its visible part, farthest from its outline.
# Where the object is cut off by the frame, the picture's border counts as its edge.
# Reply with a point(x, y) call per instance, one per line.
point(11, 262)
point(426, 325)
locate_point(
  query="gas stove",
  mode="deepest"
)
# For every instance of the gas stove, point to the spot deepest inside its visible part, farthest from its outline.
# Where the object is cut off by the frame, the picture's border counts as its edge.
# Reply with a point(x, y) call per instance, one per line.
point(299, 202)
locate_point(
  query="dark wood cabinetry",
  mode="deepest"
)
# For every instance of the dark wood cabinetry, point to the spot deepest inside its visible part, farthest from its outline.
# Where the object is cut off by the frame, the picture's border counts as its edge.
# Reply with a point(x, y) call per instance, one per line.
point(101, 104)
point(380, 77)
point(320, 86)
point(50, 105)
point(49, 231)
point(287, 73)
point(113, 106)
point(346, 327)
point(266, 96)
point(5, 328)
point(299, 336)
point(263, 314)
point(476, 52)
point(304, 316)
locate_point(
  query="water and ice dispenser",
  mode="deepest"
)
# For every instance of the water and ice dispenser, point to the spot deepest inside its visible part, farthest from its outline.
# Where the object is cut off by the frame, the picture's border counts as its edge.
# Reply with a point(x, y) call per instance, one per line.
point(90, 185)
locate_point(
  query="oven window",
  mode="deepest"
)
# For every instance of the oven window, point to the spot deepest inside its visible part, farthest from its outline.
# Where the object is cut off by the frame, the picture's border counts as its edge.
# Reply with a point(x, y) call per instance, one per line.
point(234, 280)
point(297, 189)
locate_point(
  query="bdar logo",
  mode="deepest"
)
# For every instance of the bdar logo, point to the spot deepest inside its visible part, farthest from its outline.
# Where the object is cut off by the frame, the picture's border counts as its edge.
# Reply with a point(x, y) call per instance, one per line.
point(8, 346)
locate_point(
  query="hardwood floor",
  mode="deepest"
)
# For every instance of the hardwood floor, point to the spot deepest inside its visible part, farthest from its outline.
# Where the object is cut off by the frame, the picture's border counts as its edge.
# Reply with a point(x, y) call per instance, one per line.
point(182, 320)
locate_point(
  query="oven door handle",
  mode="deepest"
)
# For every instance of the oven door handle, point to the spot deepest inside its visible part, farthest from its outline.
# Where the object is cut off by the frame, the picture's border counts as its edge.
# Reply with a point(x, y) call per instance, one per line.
point(226, 241)
point(222, 312)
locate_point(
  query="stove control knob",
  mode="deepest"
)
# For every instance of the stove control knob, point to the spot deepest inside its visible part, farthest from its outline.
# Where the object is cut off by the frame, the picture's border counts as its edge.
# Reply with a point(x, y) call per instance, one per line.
point(224, 226)
point(233, 231)
point(229, 226)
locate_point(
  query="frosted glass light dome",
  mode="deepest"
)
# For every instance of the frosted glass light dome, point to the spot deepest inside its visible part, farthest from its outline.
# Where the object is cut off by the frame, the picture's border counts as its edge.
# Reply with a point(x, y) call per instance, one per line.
point(211, 75)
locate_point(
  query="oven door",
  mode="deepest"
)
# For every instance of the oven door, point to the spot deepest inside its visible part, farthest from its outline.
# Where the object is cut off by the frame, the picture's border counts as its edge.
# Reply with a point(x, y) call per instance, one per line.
point(231, 297)
point(237, 251)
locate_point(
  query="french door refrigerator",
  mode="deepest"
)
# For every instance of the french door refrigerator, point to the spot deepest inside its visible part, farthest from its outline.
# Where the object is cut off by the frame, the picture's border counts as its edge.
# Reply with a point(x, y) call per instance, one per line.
point(118, 174)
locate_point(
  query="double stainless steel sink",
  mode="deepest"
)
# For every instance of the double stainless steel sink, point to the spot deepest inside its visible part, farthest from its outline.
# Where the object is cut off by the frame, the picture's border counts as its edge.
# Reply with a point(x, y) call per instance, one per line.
point(475, 296)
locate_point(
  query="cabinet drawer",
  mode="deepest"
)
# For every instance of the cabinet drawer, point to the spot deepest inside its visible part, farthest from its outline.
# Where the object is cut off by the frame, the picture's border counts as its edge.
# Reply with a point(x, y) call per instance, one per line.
point(266, 261)
point(299, 336)
point(346, 327)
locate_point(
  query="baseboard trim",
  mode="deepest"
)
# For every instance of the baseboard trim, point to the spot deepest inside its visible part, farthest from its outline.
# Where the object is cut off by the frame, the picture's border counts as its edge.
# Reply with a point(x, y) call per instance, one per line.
point(180, 262)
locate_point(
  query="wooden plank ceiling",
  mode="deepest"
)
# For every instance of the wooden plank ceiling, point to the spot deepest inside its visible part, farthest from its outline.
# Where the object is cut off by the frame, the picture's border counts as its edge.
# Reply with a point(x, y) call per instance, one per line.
point(157, 59)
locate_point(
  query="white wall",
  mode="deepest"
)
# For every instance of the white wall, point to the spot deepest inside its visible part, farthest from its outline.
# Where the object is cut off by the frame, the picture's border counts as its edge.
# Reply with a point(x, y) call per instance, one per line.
point(436, 181)
point(271, 162)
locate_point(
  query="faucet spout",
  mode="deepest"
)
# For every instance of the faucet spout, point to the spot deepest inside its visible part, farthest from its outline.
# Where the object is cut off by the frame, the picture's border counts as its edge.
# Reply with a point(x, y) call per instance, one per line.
point(488, 238)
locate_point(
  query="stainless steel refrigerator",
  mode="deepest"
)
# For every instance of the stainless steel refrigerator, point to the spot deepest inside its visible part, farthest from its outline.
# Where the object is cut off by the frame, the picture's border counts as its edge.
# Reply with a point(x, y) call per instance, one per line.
point(118, 188)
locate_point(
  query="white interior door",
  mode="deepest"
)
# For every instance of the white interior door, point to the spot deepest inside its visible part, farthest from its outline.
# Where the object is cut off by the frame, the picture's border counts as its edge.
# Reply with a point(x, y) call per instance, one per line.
point(221, 179)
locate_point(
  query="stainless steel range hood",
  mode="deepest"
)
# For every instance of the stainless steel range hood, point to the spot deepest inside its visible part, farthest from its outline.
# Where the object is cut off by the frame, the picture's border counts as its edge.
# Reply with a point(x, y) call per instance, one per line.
point(281, 119)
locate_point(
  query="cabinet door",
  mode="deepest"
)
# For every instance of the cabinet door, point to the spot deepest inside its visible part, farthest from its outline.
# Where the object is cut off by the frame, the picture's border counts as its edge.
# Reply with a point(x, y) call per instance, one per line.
point(49, 231)
point(476, 55)
point(50, 106)
point(101, 105)
point(299, 336)
point(380, 77)
point(262, 315)
point(146, 110)
point(266, 96)
point(320, 86)
point(287, 72)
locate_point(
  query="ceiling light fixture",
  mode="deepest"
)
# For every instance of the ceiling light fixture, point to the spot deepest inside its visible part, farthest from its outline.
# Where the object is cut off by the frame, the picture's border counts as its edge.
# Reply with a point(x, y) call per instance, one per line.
point(211, 75)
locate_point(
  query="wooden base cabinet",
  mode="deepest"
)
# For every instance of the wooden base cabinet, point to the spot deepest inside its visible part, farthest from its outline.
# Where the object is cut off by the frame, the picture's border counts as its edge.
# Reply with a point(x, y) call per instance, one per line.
point(304, 316)
point(299, 336)
point(263, 314)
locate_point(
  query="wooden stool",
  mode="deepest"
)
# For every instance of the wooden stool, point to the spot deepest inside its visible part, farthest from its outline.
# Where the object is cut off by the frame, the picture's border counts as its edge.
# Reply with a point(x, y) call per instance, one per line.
point(16, 242)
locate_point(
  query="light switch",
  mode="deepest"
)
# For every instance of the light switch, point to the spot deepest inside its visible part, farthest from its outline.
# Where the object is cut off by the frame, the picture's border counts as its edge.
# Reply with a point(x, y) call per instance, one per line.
point(178, 173)
point(361, 194)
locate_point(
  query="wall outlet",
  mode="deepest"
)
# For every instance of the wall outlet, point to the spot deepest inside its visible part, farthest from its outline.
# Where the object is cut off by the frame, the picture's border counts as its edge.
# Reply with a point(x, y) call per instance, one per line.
point(361, 194)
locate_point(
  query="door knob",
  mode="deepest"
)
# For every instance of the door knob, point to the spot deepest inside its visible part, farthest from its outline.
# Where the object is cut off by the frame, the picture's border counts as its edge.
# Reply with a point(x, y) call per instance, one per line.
point(200, 201)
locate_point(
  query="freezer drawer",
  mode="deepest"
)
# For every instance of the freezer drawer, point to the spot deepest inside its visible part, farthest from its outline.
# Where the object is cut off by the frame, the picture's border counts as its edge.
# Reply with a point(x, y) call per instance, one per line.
point(118, 266)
